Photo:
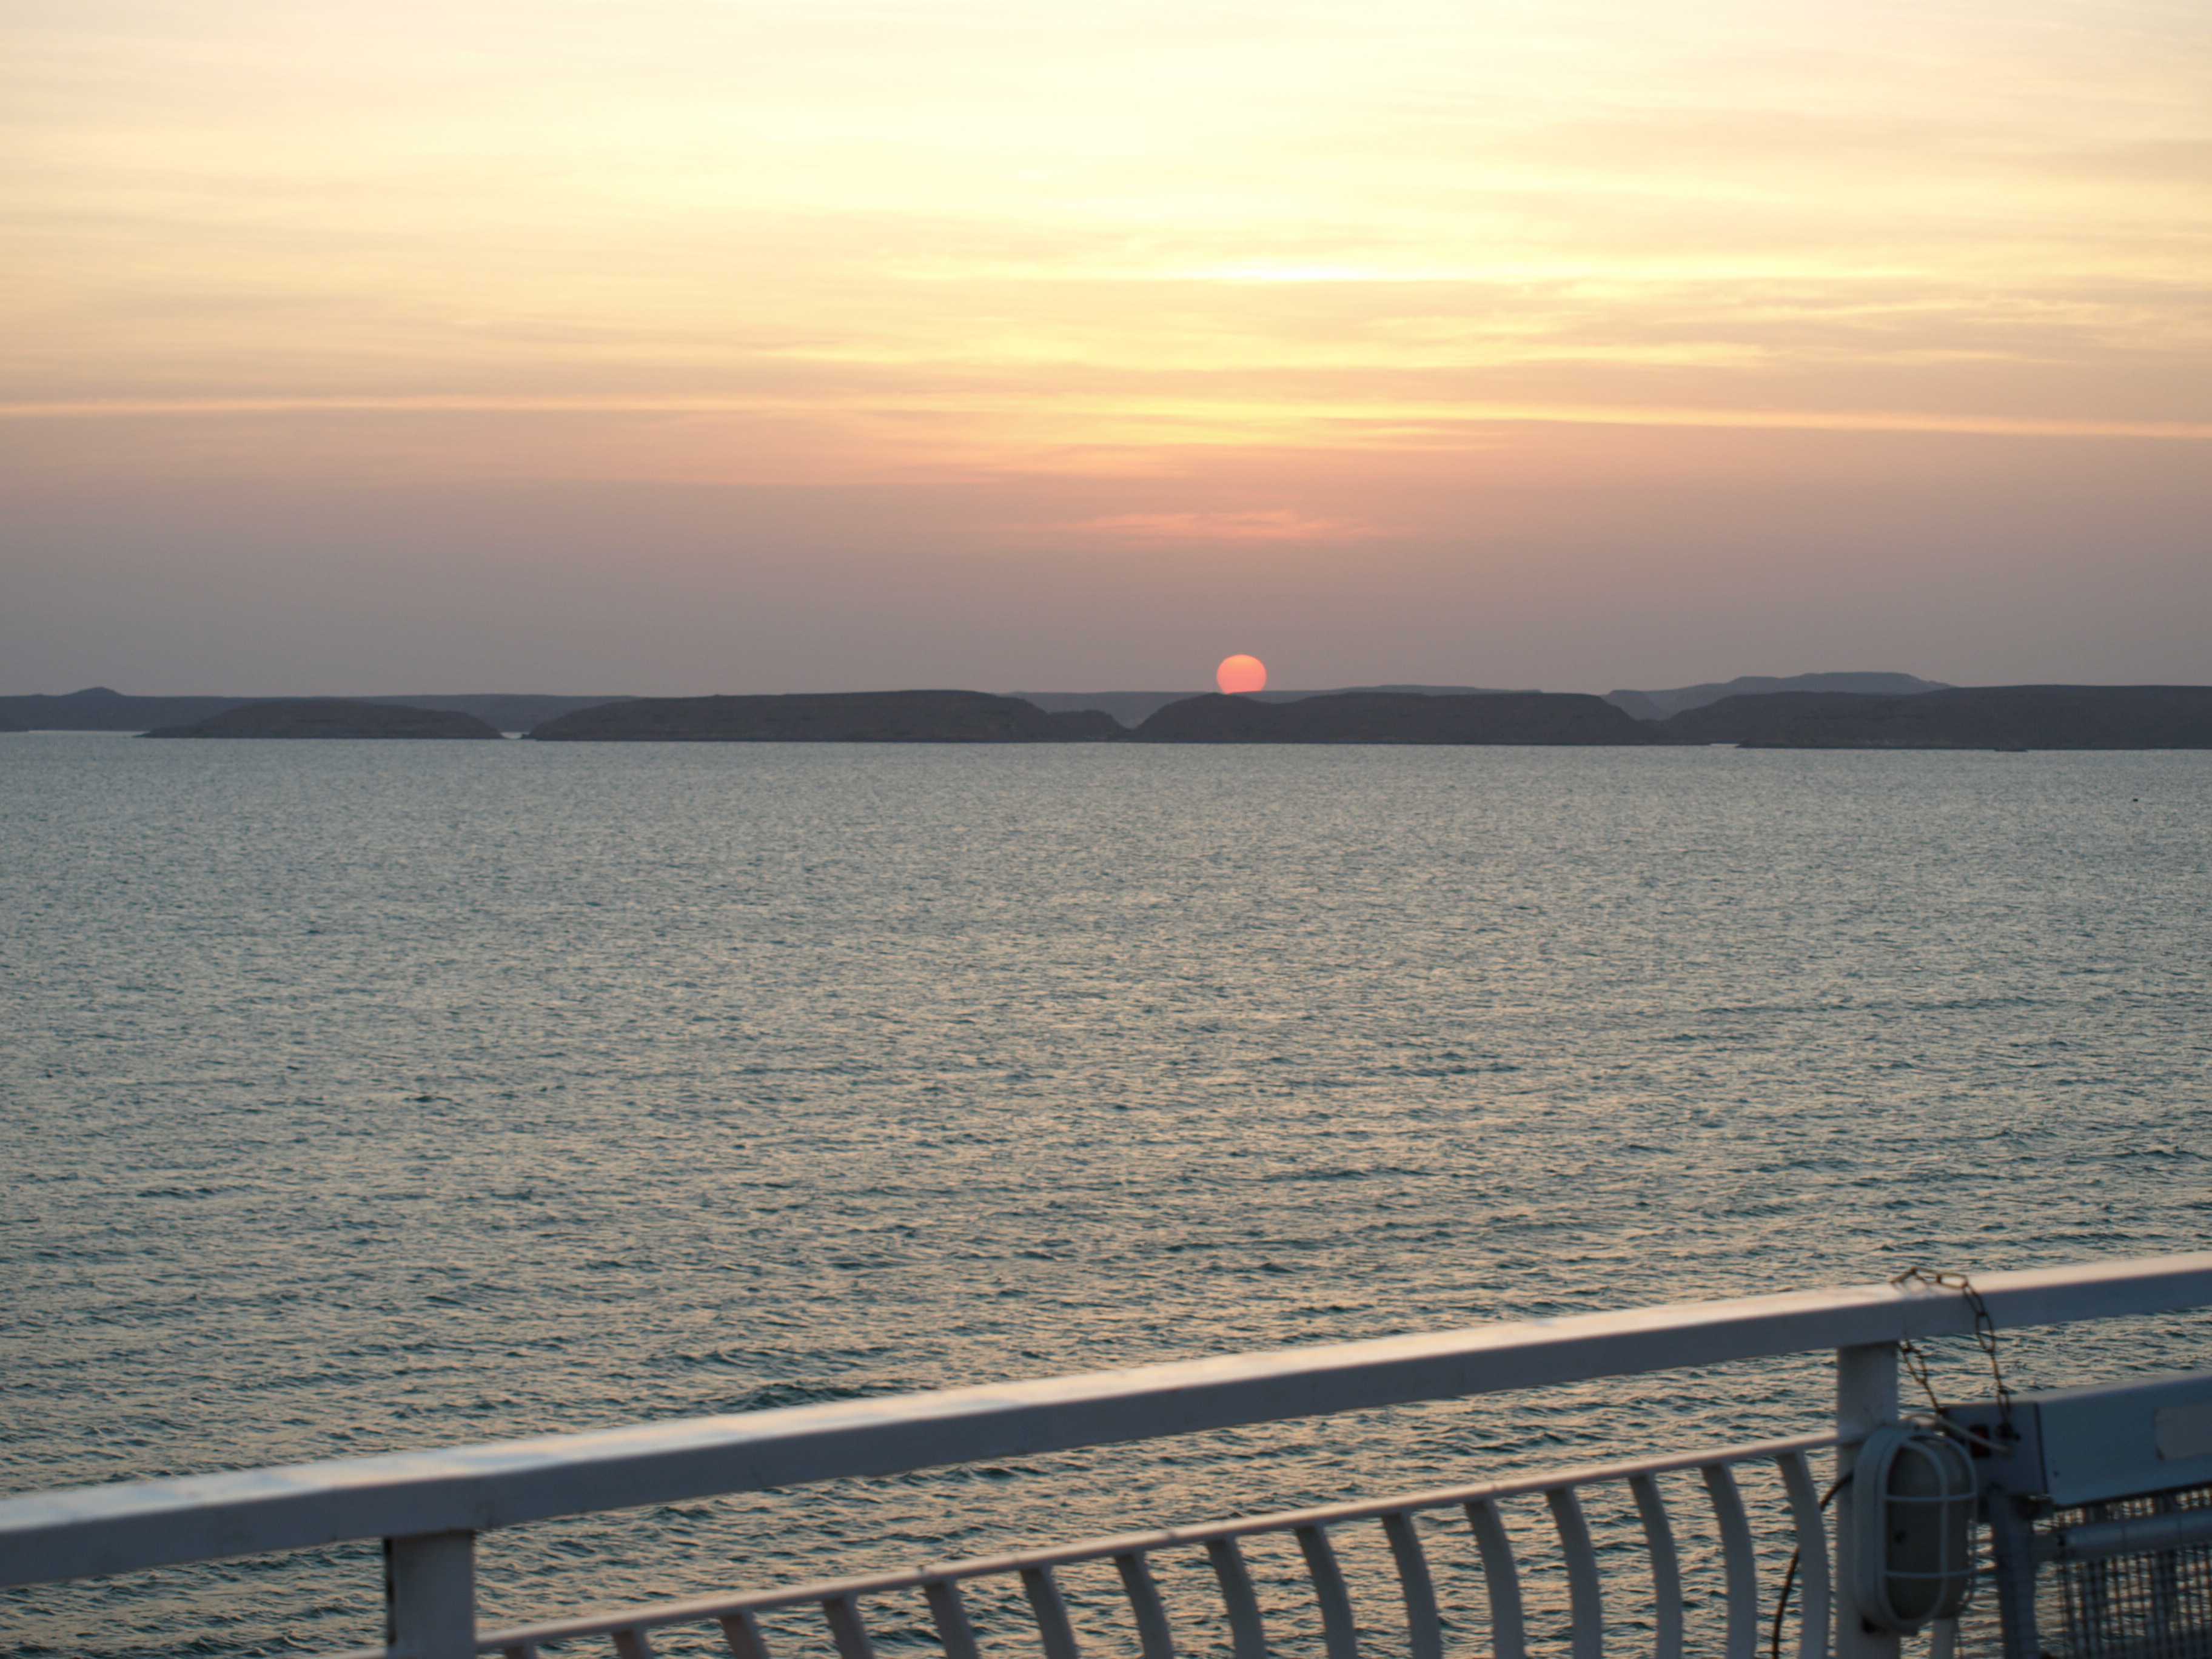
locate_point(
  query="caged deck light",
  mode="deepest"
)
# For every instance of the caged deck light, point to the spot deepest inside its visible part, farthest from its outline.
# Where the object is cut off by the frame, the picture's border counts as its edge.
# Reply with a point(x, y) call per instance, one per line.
point(1915, 1517)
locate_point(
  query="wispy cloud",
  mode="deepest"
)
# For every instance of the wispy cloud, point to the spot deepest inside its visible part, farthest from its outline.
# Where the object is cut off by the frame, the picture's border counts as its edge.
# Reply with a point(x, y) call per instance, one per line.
point(1177, 418)
point(1275, 524)
point(989, 236)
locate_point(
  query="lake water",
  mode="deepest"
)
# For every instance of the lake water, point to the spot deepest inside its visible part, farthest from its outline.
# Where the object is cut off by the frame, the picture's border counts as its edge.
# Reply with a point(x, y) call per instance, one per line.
point(360, 1097)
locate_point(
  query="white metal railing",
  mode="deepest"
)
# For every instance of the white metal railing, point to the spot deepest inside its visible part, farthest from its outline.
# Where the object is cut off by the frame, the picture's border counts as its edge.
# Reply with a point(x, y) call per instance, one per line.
point(429, 1505)
point(840, 1599)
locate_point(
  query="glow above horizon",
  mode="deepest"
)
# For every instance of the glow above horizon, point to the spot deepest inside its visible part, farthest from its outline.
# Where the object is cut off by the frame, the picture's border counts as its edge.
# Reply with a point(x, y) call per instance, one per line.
point(1153, 226)
point(1226, 277)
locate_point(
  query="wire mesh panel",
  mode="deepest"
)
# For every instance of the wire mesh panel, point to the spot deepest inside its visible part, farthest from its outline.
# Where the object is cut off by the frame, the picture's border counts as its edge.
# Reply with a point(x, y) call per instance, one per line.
point(2149, 1604)
point(2120, 1578)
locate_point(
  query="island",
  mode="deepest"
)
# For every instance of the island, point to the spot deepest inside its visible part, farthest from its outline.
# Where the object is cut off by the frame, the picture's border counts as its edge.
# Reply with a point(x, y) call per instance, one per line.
point(331, 717)
point(831, 717)
point(1751, 719)
point(1132, 708)
point(99, 709)
point(1492, 717)
point(2014, 717)
point(1659, 705)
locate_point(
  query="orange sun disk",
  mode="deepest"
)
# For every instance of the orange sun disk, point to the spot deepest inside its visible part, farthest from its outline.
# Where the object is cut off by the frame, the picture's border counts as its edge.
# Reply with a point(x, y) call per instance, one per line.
point(1241, 673)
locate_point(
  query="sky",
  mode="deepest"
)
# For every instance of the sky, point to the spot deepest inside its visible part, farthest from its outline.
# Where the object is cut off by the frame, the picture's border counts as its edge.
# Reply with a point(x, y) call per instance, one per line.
point(685, 346)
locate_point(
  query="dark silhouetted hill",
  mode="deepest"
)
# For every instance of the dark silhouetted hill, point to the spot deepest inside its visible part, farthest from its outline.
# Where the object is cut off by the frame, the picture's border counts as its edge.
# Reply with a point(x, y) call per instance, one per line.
point(509, 711)
point(1296, 695)
point(1746, 720)
point(331, 717)
point(831, 717)
point(1658, 705)
point(96, 708)
point(1497, 717)
point(99, 709)
point(1126, 708)
point(2008, 717)
point(9, 725)
point(1133, 707)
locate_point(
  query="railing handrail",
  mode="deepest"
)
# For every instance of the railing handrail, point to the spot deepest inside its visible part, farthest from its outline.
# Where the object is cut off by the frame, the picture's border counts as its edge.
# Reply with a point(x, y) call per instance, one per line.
point(83, 1531)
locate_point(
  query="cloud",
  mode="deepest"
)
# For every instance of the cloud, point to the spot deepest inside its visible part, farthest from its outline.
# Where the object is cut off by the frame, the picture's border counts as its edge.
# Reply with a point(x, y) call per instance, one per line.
point(1276, 524)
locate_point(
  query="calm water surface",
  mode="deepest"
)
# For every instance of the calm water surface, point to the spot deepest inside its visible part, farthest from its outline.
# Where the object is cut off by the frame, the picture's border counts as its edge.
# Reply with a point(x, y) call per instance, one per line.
point(360, 1097)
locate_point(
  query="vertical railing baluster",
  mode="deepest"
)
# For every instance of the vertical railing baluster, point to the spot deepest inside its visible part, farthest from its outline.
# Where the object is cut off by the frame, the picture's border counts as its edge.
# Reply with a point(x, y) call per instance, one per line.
point(1866, 1398)
point(1050, 1609)
point(846, 1627)
point(1666, 1567)
point(1584, 1598)
point(743, 1633)
point(633, 1643)
point(2010, 1554)
point(1424, 1631)
point(1741, 1566)
point(430, 1595)
point(1247, 1635)
point(948, 1611)
point(1812, 1529)
point(1339, 1630)
point(1508, 1625)
point(1153, 1632)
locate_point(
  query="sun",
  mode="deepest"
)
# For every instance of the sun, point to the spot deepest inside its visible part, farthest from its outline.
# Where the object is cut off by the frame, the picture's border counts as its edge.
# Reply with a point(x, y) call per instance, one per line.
point(1241, 673)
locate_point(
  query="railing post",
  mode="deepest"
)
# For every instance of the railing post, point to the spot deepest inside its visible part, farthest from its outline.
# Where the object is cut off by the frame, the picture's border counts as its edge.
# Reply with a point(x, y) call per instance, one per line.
point(430, 1596)
point(1866, 1398)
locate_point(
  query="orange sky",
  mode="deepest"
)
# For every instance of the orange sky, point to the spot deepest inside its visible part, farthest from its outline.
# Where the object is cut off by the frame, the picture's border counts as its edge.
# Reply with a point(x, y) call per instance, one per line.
point(1571, 345)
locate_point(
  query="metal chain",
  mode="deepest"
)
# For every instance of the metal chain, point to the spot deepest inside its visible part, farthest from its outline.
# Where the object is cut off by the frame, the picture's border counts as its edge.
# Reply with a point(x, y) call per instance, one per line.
point(1985, 1337)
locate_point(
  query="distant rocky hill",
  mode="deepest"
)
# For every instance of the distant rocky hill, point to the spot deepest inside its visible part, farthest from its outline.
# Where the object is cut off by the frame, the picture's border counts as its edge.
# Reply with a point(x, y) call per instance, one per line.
point(509, 711)
point(1133, 708)
point(331, 717)
point(829, 717)
point(1748, 720)
point(2005, 717)
point(9, 725)
point(96, 708)
point(1496, 717)
point(1295, 696)
point(1127, 708)
point(1658, 705)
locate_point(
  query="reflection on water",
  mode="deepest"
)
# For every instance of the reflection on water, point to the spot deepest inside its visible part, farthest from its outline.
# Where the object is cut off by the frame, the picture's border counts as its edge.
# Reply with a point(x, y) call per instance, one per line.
point(372, 1096)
